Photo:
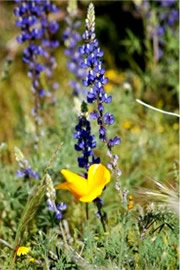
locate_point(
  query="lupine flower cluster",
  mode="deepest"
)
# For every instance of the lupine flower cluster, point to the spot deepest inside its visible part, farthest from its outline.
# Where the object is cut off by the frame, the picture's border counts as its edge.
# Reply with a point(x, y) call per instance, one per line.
point(25, 169)
point(51, 195)
point(71, 39)
point(166, 18)
point(37, 30)
point(95, 81)
point(85, 140)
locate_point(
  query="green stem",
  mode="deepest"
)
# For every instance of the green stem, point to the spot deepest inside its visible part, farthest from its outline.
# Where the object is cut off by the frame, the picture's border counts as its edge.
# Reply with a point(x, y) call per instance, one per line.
point(87, 211)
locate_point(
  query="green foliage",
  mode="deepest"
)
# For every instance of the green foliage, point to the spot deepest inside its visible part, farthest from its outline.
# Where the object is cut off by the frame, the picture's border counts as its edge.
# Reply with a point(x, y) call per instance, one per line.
point(144, 237)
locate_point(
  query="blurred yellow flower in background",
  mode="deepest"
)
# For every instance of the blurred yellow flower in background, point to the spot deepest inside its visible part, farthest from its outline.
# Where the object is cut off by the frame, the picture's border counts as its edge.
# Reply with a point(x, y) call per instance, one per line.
point(113, 75)
point(160, 129)
point(135, 130)
point(175, 126)
point(31, 259)
point(23, 250)
point(108, 87)
point(127, 124)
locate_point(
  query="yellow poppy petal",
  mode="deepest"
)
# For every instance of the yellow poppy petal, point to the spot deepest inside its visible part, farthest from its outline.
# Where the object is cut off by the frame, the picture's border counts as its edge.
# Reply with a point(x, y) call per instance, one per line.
point(64, 185)
point(68, 186)
point(92, 195)
point(98, 175)
point(75, 183)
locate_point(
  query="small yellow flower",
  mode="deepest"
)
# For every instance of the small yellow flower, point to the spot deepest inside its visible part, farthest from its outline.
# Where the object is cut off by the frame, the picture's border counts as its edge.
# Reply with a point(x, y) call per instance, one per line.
point(22, 251)
point(135, 130)
point(175, 126)
point(112, 75)
point(115, 77)
point(108, 87)
point(160, 129)
point(31, 259)
point(127, 124)
point(131, 202)
point(86, 190)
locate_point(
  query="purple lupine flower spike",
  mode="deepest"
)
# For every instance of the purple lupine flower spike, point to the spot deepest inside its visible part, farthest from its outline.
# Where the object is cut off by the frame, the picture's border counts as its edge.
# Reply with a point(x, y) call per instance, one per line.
point(37, 30)
point(167, 17)
point(95, 81)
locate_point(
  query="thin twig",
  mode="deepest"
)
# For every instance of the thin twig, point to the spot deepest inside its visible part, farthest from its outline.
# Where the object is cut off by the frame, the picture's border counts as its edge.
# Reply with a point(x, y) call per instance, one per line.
point(156, 109)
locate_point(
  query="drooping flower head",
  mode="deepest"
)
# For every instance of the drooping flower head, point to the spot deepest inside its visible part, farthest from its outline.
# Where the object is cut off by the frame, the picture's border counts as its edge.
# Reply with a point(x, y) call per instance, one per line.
point(71, 40)
point(37, 30)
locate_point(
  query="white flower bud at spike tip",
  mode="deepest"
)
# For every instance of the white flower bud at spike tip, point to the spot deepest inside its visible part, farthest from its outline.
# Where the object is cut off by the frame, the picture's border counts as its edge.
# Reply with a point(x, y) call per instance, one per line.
point(72, 7)
point(90, 21)
point(20, 158)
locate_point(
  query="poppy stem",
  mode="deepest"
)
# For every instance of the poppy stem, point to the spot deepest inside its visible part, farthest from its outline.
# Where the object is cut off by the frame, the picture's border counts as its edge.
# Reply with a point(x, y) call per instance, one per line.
point(87, 211)
point(101, 215)
point(102, 220)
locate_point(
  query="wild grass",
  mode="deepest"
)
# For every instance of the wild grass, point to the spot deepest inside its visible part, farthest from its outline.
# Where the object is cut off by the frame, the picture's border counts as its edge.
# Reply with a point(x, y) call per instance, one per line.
point(148, 151)
point(144, 237)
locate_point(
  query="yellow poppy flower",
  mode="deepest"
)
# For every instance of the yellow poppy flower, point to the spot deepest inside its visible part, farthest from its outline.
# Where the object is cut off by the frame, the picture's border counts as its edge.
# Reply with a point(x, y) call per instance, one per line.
point(22, 251)
point(86, 190)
